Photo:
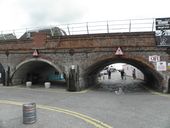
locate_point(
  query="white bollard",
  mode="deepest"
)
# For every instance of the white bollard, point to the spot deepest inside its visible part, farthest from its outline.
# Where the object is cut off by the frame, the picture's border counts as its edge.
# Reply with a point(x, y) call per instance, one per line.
point(28, 84)
point(47, 84)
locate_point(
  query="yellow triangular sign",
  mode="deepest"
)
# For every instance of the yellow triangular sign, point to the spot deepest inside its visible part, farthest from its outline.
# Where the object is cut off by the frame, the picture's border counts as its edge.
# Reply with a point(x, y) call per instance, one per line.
point(119, 51)
point(35, 53)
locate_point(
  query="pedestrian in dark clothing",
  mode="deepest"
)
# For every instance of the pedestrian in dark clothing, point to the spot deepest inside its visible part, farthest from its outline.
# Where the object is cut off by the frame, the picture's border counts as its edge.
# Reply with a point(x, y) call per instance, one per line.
point(109, 74)
point(134, 74)
point(122, 73)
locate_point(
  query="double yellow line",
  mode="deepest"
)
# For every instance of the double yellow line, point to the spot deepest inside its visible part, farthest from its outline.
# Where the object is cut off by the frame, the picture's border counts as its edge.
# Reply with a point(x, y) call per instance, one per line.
point(92, 121)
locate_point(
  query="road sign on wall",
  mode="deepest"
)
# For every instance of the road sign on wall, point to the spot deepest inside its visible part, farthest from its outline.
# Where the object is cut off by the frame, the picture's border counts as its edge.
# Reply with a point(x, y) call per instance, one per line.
point(168, 66)
point(35, 53)
point(154, 58)
point(119, 51)
point(161, 66)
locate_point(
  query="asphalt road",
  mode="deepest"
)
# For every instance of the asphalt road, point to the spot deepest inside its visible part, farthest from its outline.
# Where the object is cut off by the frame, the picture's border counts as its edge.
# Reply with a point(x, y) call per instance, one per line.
point(132, 107)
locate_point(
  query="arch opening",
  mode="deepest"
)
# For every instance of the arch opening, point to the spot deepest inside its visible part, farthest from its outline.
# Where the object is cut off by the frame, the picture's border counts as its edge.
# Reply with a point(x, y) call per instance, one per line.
point(145, 75)
point(38, 72)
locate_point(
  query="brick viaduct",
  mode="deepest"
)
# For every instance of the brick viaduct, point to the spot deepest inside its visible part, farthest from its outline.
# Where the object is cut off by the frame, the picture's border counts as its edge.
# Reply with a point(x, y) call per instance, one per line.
point(91, 53)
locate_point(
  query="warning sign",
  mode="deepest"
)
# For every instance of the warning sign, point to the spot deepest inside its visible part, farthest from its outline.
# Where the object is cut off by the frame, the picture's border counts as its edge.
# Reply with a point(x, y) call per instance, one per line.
point(35, 53)
point(119, 51)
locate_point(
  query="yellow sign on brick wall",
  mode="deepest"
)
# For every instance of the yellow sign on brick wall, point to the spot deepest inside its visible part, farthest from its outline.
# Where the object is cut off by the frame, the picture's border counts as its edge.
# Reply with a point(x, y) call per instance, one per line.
point(168, 66)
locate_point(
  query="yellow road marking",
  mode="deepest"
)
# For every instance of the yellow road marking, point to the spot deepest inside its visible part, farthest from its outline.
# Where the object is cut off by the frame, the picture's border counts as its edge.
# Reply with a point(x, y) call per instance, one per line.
point(90, 120)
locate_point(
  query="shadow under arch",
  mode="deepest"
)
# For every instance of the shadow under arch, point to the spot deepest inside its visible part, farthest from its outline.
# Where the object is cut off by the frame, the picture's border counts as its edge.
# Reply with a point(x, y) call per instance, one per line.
point(33, 64)
point(2, 74)
point(152, 77)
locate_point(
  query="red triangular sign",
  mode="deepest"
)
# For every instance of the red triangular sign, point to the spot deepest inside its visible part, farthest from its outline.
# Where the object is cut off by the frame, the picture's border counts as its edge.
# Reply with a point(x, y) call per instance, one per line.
point(35, 53)
point(119, 51)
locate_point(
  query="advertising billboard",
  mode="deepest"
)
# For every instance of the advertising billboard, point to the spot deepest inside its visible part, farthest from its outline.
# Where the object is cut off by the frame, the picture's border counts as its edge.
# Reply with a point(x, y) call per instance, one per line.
point(163, 40)
point(162, 31)
point(162, 23)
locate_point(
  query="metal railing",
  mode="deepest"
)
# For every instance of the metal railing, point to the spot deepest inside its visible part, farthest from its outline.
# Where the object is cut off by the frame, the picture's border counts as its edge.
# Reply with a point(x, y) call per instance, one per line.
point(112, 26)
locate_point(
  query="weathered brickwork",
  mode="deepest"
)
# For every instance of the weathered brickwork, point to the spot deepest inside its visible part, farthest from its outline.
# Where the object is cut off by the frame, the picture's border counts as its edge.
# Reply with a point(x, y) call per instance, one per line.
point(90, 52)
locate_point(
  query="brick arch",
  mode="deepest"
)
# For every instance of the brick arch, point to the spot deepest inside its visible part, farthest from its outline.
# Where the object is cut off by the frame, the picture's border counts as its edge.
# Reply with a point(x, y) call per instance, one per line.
point(29, 61)
point(147, 68)
point(107, 59)
point(58, 68)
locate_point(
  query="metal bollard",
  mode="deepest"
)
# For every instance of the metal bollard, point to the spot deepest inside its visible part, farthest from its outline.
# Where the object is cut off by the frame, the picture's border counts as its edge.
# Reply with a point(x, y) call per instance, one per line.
point(29, 113)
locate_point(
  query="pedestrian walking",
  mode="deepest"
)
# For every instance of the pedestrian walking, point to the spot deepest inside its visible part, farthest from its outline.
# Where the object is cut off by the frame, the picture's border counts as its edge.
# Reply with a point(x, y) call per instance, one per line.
point(134, 74)
point(122, 73)
point(109, 73)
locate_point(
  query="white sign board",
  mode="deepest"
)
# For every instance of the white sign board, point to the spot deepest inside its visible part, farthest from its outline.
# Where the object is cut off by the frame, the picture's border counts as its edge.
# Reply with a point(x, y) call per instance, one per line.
point(154, 58)
point(161, 66)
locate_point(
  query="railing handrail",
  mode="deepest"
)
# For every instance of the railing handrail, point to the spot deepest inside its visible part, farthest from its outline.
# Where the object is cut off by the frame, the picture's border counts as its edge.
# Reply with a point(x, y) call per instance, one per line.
point(94, 27)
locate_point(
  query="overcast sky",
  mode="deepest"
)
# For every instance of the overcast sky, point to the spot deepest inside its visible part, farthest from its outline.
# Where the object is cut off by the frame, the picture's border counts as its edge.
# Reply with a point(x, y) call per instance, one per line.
point(29, 13)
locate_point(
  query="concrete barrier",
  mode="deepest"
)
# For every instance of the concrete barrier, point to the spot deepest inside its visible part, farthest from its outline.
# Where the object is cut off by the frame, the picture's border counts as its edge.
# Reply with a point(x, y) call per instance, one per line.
point(28, 84)
point(47, 84)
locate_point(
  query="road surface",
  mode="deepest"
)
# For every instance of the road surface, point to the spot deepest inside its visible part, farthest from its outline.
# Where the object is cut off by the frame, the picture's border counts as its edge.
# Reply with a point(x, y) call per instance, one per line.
point(134, 107)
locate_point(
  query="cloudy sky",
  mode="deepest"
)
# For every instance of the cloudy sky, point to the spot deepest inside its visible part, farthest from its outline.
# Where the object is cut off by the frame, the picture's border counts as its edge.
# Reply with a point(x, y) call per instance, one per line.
point(17, 14)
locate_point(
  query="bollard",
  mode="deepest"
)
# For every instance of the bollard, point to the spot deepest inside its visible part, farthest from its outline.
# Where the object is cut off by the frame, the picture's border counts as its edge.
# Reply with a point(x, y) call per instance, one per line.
point(28, 84)
point(29, 113)
point(47, 84)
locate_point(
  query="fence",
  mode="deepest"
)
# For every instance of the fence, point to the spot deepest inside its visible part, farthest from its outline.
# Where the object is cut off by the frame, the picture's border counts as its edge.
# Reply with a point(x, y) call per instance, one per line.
point(112, 26)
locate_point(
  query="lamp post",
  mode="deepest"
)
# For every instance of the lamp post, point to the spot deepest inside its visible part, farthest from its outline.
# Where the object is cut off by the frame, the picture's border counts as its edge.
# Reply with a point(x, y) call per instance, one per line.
point(8, 68)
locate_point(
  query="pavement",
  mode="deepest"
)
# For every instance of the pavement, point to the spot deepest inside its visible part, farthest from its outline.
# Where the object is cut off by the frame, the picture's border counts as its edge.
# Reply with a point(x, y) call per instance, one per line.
point(100, 107)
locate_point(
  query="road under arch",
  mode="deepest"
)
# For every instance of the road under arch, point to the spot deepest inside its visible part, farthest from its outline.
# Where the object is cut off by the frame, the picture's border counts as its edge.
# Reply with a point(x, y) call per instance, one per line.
point(152, 78)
